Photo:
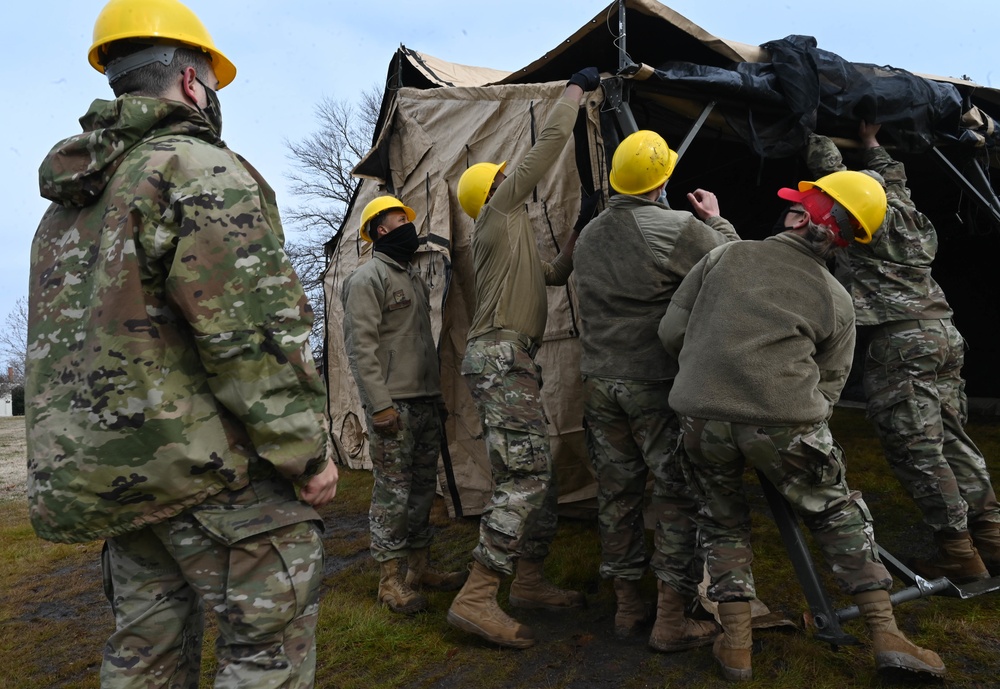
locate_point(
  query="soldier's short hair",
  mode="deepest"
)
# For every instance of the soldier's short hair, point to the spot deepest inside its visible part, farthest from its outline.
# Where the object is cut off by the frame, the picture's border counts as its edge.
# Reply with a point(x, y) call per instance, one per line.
point(155, 79)
point(378, 220)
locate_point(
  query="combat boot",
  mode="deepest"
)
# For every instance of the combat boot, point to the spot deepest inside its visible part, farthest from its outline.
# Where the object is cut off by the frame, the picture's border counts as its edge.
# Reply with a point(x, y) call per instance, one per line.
point(986, 538)
point(475, 610)
point(420, 573)
point(673, 630)
point(734, 645)
point(531, 590)
point(630, 610)
point(394, 592)
point(892, 649)
point(955, 559)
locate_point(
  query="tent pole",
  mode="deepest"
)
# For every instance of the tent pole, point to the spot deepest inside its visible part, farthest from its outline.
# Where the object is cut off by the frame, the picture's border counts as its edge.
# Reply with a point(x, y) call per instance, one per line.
point(984, 196)
point(695, 128)
point(623, 60)
point(614, 94)
point(693, 132)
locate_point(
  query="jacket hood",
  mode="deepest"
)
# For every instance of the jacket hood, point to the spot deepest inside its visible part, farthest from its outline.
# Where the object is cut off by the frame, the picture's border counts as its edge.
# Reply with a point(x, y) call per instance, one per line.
point(77, 169)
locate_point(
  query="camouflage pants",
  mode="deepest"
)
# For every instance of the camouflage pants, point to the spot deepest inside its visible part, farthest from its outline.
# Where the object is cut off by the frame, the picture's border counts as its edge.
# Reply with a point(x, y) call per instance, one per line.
point(404, 466)
point(632, 432)
point(916, 399)
point(806, 465)
point(520, 520)
point(254, 557)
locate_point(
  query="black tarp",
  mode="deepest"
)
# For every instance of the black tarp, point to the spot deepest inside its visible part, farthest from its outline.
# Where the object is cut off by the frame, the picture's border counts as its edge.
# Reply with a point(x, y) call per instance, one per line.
point(775, 105)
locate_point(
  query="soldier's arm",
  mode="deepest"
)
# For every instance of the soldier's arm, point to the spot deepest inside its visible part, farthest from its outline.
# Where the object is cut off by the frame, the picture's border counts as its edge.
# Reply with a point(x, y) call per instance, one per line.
point(835, 355)
point(673, 326)
point(233, 284)
point(822, 156)
point(513, 191)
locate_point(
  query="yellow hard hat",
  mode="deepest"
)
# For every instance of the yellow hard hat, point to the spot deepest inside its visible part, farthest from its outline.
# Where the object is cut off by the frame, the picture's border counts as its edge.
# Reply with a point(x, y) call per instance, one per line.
point(861, 195)
point(163, 20)
point(376, 206)
point(474, 186)
point(642, 162)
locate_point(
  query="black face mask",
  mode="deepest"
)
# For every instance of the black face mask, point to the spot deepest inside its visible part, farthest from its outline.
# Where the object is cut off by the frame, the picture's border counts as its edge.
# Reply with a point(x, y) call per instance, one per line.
point(400, 244)
point(212, 111)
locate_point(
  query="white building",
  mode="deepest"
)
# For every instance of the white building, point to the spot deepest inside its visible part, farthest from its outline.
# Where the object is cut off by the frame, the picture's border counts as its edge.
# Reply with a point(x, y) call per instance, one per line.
point(6, 405)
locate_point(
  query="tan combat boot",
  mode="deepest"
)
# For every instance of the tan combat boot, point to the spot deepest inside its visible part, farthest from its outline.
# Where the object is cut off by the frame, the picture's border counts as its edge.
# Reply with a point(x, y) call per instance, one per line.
point(955, 559)
point(892, 649)
point(475, 610)
point(630, 610)
point(393, 591)
point(673, 631)
point(420, 573)
point(986, 537)
point(733, 646)
point(531, 590)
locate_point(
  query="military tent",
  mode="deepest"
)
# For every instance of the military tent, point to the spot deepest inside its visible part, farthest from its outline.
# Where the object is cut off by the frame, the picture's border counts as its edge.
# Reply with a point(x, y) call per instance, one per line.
point(739, 114)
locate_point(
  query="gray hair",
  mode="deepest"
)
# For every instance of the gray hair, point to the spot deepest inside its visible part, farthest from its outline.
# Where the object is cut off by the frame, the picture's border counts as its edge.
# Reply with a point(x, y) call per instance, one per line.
point(820, 238)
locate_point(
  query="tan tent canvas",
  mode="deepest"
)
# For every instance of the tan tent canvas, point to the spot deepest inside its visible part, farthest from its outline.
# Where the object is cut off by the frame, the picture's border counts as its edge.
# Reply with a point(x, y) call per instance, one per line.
point(737, 110)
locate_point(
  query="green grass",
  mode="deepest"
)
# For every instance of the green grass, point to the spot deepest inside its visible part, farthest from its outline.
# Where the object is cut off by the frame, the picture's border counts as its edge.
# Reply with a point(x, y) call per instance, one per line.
point(54, 619)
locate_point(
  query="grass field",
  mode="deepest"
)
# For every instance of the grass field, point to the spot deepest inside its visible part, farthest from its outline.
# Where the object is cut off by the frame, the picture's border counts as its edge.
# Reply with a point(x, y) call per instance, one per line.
point(54, 619)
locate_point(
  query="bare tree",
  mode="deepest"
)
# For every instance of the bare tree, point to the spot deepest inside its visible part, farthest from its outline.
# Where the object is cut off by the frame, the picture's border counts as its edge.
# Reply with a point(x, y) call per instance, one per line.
point(322, 179)
point(14, 346)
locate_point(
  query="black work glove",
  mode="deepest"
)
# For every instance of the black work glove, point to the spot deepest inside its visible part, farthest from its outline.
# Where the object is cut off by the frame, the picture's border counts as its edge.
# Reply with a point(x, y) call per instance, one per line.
point(588, 79)
point(588, 208)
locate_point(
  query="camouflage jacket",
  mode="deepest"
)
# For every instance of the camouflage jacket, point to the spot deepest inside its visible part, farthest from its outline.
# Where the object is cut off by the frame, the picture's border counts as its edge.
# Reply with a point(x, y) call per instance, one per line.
point(628, 262)
point(387, 333)
point(167, 338)
point(890, 278)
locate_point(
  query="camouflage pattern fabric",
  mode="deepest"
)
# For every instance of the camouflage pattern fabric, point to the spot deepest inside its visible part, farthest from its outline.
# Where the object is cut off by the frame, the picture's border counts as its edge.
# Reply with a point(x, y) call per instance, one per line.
point(807, 467)
point(405, 469)
point(889, 278)
point(520, 520)
point(913, 367)
point(632, 432)
point(167, 334)
point(916, 399)
point(260, 576)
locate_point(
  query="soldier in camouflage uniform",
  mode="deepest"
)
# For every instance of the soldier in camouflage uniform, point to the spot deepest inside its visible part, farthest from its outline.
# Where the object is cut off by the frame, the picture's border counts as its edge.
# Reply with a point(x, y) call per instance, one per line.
point(913, 373)
point(628, 262)
point(173, 407)
point(519, 523)
point(387, 334)
point(764, 336)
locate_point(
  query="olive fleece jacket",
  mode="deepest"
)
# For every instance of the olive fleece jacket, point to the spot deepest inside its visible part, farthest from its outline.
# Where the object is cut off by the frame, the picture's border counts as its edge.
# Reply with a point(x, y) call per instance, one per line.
point(628, 262)
point(763, 334)
point(387, 334)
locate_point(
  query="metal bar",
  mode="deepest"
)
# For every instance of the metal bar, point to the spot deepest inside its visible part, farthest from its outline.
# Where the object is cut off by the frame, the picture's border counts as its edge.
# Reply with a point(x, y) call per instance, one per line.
point(622, 53)
point(614, 94)
point(693, 132)
point(991, 204)
point(824, 616)
point(695, 128)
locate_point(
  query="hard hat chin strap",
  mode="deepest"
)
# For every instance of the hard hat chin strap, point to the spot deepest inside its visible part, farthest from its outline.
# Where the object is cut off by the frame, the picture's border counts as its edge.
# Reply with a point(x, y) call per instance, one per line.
point(147, 56)
point(844, 224)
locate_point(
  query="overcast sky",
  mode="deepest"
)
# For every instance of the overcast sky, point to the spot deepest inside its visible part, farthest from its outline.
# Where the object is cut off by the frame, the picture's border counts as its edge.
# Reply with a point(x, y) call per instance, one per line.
point(290, 54)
